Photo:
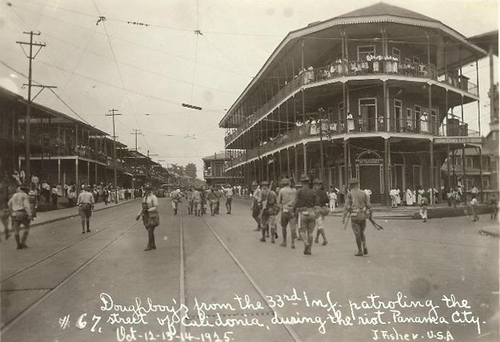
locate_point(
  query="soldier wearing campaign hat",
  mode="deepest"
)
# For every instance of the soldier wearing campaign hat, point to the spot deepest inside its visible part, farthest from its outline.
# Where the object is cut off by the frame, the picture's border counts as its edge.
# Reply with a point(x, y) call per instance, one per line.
point(321, 209)
point(287, 200)
point(359, 207)
point(149, 214)
point(85, 205)
point(307, 218)
point(269, 204)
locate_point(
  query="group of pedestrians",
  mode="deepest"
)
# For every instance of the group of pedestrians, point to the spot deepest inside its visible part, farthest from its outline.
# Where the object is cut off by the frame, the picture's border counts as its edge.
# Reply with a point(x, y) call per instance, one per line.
point(302, 209)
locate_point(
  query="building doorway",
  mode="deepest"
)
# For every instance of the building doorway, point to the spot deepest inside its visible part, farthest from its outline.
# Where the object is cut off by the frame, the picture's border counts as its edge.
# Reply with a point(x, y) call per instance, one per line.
point(368, 114)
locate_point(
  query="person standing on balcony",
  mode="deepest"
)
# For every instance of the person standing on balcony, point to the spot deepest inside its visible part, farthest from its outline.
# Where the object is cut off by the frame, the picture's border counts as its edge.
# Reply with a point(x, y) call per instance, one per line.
point(305, 206)
point(350, 122)
point(321, 209)
point(358, 207)
point(255, 209)
point(287, 199)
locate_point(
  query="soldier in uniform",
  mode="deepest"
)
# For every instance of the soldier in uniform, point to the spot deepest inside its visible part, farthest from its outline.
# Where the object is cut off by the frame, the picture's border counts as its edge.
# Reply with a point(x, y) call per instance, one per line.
point(85, 205)
point(322, 210)
point(189, 199)
point(256, 192)
point(20, 211)
point(359, 207)
point(197, 201)
point(150, 216)
point(287, 199)
point(269, 207)
point(305, 207)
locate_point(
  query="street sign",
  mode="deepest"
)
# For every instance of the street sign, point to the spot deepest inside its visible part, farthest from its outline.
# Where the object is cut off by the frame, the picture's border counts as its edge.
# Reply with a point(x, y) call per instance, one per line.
point(459, 140)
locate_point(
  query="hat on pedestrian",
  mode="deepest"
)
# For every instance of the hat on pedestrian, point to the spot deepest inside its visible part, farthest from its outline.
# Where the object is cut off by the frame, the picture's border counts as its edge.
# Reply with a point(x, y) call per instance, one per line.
point(304, 178)
point(285, 181)
point(148, 186)
point(264, 183)
point(254, 183)
point(317, 181)
point(353, 181)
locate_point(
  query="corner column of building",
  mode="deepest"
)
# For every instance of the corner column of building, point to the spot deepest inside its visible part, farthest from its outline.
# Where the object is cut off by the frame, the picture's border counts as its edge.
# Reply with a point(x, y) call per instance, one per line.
point(387, 185)
point(305, 157)
point(432, 173)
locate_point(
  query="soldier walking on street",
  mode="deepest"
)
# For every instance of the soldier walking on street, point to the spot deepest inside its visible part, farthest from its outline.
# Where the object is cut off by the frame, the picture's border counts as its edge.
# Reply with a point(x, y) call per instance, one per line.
point(229, 199)
point(256, 192)
point(269, 207)
point(287, 199)
point(305, 206)
point(85, 205)
point(321, 208)
point(358, 206)
point(20, 211)
point(189, 199)
point(150, 216)
point(197, 202)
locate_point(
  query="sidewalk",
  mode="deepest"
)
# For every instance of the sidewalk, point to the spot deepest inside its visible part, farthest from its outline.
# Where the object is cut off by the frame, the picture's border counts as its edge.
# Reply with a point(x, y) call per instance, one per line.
point(411, 212)
point(46, 217)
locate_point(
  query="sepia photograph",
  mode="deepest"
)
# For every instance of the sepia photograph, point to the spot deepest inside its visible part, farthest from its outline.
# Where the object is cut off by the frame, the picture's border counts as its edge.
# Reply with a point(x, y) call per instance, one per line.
point(249, 170)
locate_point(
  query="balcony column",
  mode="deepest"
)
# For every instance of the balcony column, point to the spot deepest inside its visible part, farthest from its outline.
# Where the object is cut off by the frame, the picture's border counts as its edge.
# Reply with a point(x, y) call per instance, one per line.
point(478, 105)
point(303, 105)
point(446, 111)
point(59, 141)
point(346, 170)
point(267, 167)
point(463, 168)
point(288, 161)
point(387, 109)
point(305, 157)
point(448, 166)
point(88, 172)
point(77, 182)
point(59, 169)
point(480, 150)
point(428, 57)
point(387, 185)
point(346, 130)
point(95, 173)
point(302, 54)
point(296, 161)
point(429, 117)
point(281, 167)
point(432, 173)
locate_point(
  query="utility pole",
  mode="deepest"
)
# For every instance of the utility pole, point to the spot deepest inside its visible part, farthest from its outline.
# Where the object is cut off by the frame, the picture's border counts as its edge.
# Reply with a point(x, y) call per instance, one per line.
point(135, 132)
point(113, 113)
point(31, 57)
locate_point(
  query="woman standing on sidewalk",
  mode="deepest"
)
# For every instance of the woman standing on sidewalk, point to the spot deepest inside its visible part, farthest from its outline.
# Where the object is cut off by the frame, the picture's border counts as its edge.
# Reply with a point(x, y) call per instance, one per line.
point(150, 216)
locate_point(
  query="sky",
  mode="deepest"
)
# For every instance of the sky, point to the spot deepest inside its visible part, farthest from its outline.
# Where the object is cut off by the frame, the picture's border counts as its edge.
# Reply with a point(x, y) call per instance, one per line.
point(146, 58)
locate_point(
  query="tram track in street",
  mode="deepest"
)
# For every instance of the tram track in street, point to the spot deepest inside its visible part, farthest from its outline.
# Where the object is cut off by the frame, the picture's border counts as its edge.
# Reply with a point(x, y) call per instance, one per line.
point(96, 231)
point(51, 291)
point(271, 310)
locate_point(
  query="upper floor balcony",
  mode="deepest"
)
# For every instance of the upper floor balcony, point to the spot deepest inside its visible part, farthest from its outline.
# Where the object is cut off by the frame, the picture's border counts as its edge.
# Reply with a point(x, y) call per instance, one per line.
point(329, 130)
point(372, 67)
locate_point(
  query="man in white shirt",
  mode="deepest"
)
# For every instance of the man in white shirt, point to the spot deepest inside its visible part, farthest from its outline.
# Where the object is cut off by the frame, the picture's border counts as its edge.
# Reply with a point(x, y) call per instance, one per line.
point(20, 210)
point(85, 205)
point(229, 199)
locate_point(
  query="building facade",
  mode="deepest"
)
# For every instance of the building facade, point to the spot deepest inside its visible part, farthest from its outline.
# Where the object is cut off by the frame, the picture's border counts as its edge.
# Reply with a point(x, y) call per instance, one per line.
point(64, 150)
point(215, 170)
point(377, 94)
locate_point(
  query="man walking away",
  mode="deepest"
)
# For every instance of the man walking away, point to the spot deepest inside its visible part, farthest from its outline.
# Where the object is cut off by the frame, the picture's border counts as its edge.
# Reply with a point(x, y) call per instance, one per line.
point(307, 218)
point(493, 206)
point(359, 207)
point(212, 200)
point(85, 205)
point(269, 207)
point(19, 206)
point(321, 209)
point(189, 199)
point(229, 199)
point(256, 193)
point(287, 200)
point(197, 202)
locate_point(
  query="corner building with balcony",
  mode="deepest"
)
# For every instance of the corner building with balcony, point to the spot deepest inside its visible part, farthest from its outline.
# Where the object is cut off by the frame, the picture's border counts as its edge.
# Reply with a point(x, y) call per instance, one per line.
point(376, 94)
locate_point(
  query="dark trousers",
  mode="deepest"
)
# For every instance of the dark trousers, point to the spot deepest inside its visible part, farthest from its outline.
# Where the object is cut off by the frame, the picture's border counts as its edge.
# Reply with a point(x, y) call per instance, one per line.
point(286, 219)
point(54, 200)
point(229, 202)
point(18, 219)
point(151, 236)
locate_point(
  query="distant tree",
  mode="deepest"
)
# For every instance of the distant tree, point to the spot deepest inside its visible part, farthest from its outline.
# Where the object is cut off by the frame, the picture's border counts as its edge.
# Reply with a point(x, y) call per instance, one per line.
point(190, 170)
